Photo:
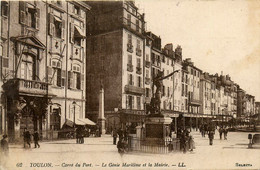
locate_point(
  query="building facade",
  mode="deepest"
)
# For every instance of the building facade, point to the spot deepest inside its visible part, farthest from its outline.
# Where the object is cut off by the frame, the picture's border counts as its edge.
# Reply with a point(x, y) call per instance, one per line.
point(43, 71)
point(115, 62)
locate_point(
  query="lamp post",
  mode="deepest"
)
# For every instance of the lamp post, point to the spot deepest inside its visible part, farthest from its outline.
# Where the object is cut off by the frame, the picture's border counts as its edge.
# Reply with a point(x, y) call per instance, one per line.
point(74, 107)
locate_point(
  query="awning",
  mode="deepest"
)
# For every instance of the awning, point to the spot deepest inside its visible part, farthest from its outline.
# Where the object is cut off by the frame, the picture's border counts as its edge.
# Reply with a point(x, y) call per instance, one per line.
point(86, 121)
point(81, 122)
point(79, 32)
point(57, 18)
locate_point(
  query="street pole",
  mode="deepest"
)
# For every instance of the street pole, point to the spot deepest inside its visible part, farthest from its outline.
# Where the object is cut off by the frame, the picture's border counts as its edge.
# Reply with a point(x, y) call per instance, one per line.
point(74, 120)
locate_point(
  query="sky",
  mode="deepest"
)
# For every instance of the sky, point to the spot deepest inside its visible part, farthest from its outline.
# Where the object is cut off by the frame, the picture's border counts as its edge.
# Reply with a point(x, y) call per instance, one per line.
point(219, 36)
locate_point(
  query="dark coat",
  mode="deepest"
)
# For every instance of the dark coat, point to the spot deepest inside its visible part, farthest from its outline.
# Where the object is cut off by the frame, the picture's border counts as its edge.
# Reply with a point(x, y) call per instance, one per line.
point(36, 136)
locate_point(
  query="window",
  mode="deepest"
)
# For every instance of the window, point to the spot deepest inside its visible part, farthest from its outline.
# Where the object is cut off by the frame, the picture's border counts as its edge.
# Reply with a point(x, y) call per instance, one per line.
point(153, 58)
point(76, 34)
point(4, 8)
point(191, 71)
point(147, 73)
point(139, 79)
point(56, 66)
point(129, 19)
point(138, 46)
point(194, 72)
point(56, 26)
point(138, 61)
point(137, 25)
point(167, 61)
point(75, 78)
point(129, 59)
point(29, 15)
point(129, 40)
point(130, 79)
point(168, 92)
point(28, 69)
point(147, 92)
point(129, 102)
point(55, 119)
point(147, 57)
point(138, 99)
point(163, 91)
point(76, 10)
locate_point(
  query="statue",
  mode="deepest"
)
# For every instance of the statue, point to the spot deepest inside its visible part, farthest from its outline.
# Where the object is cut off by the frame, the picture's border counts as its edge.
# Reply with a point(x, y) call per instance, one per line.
point(155, 104)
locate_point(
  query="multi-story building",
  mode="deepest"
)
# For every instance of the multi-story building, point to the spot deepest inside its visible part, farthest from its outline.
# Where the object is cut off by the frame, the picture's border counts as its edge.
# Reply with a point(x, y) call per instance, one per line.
point(167, 68)
point(156, 53)
point(147, 71)
point(194, 99)
point(206, 97)
point(43, 68)
point(178, 104)
point(115, 62)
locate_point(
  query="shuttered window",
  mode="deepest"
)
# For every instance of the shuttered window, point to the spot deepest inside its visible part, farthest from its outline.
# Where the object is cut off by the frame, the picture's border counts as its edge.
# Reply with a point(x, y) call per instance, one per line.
point(29, 15)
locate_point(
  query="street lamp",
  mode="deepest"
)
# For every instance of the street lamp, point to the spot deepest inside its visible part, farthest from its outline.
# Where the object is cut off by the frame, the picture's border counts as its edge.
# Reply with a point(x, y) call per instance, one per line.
point(74, 107)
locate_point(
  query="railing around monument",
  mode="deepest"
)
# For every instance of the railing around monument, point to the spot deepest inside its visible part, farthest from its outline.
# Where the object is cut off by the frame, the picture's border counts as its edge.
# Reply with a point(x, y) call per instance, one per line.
point(158, 147)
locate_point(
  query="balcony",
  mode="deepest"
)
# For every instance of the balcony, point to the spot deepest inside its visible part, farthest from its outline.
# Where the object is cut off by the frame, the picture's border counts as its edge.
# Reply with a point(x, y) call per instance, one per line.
point(147, 64)
point(130, 48)
point(130, 67)
point(196, 102)
point(138, 70)
point(134, 90)
point(138, 52)
point(26, 87)
point(147, 81)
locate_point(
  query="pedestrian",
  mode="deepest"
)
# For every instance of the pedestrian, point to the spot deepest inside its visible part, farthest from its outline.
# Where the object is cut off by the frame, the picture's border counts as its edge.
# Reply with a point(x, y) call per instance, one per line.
point(225, 133)
point(120, 134)
point(220, 132)
point(77, 135)
point(211, 137)
point(36, 139)
point(183, 142)
point(4, 146)
point(191, 143)
point(81, 136)
point(24, 137)
point(114, 133)
point(28, 138)
point(121, 147)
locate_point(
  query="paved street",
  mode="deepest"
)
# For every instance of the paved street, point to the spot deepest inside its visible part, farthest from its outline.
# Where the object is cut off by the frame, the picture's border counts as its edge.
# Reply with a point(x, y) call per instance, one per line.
point(95, 151)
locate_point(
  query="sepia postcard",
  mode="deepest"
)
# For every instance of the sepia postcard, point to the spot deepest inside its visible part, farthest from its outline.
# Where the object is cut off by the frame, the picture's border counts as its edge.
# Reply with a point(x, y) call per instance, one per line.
point(129, 84)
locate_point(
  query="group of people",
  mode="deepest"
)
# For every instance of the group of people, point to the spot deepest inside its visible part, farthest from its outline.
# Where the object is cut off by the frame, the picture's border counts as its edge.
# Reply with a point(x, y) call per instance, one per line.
point(210, 131)
point(223, 130)
point(27, 138)
point(186, 140)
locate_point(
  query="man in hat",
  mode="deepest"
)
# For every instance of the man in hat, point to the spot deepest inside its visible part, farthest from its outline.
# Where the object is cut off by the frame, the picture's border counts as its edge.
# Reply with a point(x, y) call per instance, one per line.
point(4, 145)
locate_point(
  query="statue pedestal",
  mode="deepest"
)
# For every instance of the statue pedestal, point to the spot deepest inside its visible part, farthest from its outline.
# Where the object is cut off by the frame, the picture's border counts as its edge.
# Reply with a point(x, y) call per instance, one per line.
point(157, 128)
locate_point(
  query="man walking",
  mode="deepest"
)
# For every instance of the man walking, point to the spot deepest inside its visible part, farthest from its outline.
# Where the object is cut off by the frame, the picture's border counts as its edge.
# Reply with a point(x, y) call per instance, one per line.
point(225, 133)
point(27, 138)
point(211, 137)
point(220, 132)
point(36, 139)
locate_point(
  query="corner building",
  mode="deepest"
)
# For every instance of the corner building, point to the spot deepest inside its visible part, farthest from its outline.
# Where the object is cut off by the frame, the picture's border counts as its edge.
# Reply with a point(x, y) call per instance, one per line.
point(115, 62)
point(43, 50)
